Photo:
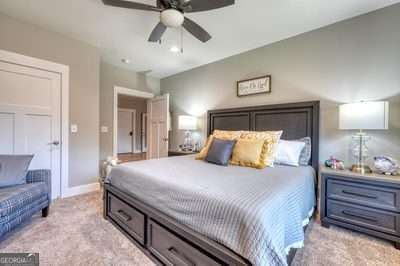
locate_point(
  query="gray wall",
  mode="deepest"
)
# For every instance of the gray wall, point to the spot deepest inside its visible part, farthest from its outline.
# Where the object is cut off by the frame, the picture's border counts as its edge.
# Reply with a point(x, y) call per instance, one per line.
point(357, 59)
point(83, 61)
point(111, 76)
point(140, 105)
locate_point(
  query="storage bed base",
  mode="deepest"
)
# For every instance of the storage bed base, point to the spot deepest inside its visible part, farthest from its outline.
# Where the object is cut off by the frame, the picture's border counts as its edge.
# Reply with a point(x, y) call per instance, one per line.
point(162, 239)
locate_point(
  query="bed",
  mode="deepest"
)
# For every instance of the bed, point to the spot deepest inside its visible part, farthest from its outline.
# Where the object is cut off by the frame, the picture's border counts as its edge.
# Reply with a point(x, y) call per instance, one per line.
point(180, 211)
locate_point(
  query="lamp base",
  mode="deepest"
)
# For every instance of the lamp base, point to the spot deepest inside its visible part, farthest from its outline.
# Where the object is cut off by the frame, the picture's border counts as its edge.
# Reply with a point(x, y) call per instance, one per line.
point(361, 169)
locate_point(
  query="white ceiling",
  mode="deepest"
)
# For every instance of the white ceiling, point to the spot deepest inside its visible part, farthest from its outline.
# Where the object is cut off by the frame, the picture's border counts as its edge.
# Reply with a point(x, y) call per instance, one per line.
point(123, 33)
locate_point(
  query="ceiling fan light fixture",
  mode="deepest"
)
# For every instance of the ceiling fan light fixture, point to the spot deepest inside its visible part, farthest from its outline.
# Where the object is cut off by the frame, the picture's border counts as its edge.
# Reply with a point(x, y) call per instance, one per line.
point(172, 18)
point(175, 49)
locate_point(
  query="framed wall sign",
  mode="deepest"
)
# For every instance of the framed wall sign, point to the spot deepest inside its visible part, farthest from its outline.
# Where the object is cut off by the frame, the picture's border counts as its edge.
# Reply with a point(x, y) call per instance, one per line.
point(254, 86)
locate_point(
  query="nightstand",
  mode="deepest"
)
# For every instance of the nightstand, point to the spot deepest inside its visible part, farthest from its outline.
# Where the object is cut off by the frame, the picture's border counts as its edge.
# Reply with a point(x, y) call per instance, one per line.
point(368, 203)
point(172, 153)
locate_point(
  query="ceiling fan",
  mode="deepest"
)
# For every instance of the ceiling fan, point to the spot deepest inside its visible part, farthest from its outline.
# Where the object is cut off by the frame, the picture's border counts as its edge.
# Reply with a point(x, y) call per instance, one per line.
point(172, 14)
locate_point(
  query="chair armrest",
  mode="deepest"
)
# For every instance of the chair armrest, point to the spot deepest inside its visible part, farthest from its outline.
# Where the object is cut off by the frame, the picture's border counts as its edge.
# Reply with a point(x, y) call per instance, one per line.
point(42, 175)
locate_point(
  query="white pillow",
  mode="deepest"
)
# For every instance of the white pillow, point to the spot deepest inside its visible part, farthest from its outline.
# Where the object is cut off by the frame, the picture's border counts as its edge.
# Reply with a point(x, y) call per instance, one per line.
point(288, 152)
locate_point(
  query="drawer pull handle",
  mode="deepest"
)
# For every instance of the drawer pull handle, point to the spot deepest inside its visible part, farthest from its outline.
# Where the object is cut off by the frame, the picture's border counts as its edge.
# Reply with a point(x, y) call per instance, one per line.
point(365, 217)
point(359, 194)
point(180, 257)
point(124, 216)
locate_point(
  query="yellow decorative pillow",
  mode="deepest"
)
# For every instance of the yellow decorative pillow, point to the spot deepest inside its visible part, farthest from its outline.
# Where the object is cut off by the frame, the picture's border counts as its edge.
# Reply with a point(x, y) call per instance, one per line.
point(203, 153)
point(250, 153)
point(226, 134)
point(271, 137)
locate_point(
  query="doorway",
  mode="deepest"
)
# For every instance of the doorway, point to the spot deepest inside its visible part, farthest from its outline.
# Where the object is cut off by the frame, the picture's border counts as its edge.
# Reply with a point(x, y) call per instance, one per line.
point(151, 127)
point(131, 125)
point(131, 145)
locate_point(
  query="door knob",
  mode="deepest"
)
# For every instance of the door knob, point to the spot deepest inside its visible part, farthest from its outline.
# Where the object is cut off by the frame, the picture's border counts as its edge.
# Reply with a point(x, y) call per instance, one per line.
point(165, 139)
point(55, 143)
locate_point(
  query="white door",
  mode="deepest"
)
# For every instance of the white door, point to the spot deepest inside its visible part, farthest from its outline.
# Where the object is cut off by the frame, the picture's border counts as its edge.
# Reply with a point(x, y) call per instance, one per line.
point(126, 130)
point(30, 117)
point(157, 132)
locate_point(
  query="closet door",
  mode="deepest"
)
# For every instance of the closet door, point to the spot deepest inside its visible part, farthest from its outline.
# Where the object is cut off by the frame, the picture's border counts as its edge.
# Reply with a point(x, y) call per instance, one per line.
point(30, 117)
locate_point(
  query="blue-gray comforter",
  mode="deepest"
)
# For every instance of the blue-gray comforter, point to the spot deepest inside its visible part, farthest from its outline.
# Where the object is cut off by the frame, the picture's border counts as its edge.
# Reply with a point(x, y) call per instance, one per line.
point(259, 214)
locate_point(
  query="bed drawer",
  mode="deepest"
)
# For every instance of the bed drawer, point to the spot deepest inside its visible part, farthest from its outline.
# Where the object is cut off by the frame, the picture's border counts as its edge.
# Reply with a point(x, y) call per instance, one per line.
point(127, 217)
point(383, 221)
point(375, 196)
point(172, 250)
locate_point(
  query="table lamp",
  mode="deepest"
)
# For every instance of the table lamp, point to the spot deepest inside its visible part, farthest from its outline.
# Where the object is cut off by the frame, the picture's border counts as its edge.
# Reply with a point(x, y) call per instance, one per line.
point(363, 116)
point(187, 123)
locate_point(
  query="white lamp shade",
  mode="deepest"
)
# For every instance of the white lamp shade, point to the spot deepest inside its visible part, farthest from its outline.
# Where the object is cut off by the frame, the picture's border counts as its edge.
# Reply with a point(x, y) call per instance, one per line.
point(364, 115)
point(187, 122)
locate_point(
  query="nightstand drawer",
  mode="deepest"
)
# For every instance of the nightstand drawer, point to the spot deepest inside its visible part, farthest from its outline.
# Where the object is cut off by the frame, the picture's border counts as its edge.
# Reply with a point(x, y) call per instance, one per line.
point(382, 221)
point(382, 197)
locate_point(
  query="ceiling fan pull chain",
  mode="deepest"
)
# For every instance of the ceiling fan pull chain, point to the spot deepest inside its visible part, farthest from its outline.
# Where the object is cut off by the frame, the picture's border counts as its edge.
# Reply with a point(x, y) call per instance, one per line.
point(182, 40)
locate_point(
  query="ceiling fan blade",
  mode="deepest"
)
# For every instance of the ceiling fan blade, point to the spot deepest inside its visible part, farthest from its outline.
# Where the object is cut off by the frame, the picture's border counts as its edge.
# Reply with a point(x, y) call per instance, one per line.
point(157, 33)
point(131, 5)
point(196, 30)
point(204, 5)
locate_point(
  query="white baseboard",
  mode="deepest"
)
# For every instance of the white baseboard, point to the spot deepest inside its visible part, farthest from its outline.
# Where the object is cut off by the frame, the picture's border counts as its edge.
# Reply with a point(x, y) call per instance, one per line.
point(74, 191)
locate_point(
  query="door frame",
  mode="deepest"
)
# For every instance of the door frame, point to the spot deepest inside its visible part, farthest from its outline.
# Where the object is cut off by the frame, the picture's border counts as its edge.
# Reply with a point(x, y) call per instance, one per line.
point(129, 92)
point(143, 124)
point(63, 71)
point(133, 112)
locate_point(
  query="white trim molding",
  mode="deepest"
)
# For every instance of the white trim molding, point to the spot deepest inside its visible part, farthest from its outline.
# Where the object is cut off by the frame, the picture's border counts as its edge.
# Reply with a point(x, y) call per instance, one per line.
point(124, 91)
point(63, 70)
point(74, 191)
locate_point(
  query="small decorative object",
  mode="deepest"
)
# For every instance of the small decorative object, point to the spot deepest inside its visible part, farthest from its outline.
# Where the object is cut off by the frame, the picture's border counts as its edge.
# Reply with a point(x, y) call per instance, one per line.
point(254, 86)
point(107, 166)
point(187, 123)
point(386, 165)
point(363, 116)
point(334, 163)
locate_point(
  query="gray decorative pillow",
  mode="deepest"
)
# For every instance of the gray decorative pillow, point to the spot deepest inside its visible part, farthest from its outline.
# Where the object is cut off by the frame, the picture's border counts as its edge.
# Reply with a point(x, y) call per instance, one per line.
point(220, 151)
point(305, 154)
point(13, 169)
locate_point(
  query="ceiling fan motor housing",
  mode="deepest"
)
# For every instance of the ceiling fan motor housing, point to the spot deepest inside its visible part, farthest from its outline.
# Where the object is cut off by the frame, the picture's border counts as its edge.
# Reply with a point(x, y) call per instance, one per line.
point(172, 18)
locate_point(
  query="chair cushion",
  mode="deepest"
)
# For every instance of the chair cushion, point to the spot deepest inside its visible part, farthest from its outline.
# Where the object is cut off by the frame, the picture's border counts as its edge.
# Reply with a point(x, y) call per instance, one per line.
point(13, 169)
point(25, 209)
point(16, 197)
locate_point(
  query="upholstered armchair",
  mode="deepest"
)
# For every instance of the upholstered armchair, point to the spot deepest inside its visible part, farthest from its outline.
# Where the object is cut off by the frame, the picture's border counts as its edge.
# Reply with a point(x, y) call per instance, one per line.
point(18, 203)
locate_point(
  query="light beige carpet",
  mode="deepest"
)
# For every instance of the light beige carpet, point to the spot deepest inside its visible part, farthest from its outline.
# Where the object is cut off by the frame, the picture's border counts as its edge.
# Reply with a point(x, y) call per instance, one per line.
point(76, 234)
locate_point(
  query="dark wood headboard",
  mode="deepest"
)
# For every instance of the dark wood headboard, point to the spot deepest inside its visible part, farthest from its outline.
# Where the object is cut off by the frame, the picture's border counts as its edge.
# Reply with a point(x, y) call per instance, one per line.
point(297, 120)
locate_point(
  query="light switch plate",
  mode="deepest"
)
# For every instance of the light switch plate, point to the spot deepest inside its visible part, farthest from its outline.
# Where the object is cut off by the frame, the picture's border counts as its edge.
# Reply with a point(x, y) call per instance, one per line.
point(74, 128)
point(104, 129)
